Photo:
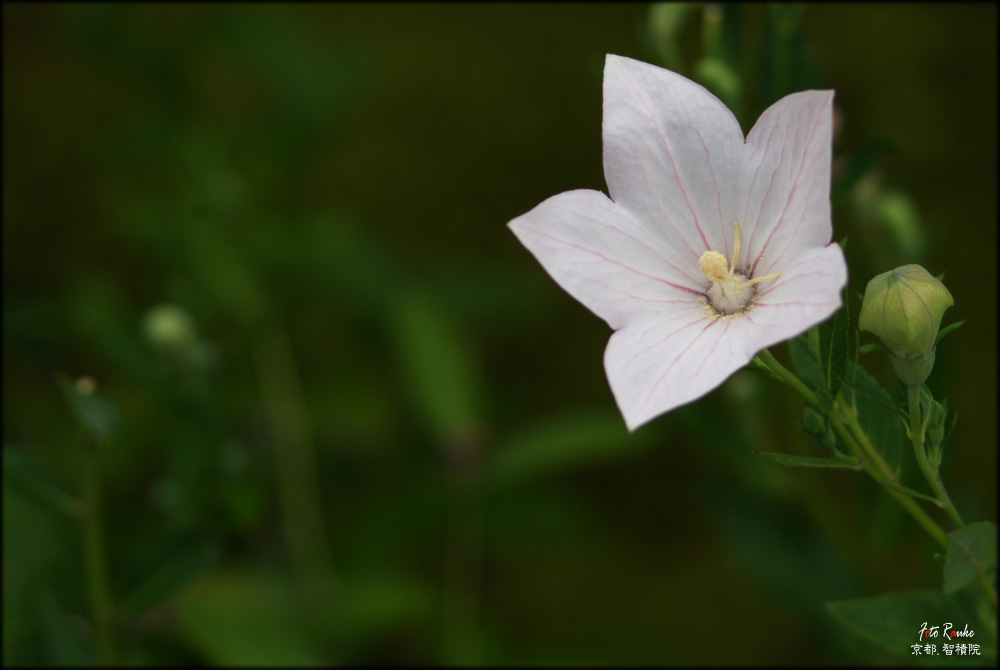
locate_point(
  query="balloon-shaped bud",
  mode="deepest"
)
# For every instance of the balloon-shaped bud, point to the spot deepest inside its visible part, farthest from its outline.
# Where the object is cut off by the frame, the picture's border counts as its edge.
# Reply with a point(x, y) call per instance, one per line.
point(903, 308)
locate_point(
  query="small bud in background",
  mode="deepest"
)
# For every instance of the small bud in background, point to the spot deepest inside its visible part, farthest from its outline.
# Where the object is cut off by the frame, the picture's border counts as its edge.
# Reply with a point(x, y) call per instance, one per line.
point(169, 327)
point(903, 308)
point(665, 22)
point(936, 424)
point(896, 213)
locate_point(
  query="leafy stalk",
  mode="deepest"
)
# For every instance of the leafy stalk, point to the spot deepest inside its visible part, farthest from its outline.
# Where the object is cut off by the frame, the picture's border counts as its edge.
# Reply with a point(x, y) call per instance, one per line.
point(931, 474)
point(861, 449)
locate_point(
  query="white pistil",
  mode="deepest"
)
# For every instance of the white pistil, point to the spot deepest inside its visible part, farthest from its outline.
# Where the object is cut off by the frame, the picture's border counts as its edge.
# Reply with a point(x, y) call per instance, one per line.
point(730, 291)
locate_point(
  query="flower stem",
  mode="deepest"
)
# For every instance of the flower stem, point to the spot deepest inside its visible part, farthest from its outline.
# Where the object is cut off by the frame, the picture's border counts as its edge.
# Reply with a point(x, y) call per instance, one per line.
point(96, 560)
point(295, 466)
point(850, 432)
point(930, 473)
point(463, 568)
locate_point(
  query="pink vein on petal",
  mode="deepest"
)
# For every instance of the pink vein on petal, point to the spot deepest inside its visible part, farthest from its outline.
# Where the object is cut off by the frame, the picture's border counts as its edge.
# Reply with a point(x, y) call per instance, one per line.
point(611, 260)
point(642, 244)
point(791, 194)
point(666, 372)
point(673, 164)
point(718, 191)
point(767, 194)
point(712, 350)
point(798, 224)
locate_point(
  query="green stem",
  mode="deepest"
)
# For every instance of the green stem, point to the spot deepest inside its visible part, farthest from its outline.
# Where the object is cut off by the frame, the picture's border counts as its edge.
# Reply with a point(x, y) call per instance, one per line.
point(930, 473)
point(295, 466)
point(841, 418)
point(96, 559)
point(463, 564)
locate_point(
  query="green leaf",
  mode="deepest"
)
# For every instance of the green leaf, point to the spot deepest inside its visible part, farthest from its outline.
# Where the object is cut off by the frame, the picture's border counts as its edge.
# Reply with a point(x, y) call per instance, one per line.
point(833, 350)
point(438, 365)
point(561, 444)
point(893, 621)
point(806, 362)
point(971, 550)
point(877, 415)
point(246, 618)
point(811, 461)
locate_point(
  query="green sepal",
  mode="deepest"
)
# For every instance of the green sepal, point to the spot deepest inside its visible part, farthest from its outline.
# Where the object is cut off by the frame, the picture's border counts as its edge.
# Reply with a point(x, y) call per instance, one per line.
point(874, 346)
point(947, 330)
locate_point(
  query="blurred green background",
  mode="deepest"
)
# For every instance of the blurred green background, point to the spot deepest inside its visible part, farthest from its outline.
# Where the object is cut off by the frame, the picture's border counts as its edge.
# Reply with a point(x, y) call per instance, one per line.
point(378, 432)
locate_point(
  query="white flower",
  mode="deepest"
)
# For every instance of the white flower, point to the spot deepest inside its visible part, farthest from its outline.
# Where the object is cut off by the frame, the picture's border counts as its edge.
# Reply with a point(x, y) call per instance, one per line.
point(710, 247)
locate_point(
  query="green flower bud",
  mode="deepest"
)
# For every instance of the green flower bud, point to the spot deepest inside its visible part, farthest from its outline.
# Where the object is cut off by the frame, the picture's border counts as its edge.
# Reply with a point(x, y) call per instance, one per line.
point(903, 308)
point(936, 423)
point(169, 327)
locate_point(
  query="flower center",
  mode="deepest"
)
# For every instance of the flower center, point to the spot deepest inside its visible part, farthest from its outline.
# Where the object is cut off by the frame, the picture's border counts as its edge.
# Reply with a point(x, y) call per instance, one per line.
point(731, 292)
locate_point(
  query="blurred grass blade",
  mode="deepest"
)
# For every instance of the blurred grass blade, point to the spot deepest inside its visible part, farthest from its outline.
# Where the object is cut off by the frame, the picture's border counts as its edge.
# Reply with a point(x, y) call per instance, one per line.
point(23, 475)
point(176, 567)
point(562, 444)
point(437, 364)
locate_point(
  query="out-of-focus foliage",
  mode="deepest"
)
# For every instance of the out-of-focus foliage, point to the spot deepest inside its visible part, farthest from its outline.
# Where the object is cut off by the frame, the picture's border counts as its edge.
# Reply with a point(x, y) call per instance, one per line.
point(353, 421)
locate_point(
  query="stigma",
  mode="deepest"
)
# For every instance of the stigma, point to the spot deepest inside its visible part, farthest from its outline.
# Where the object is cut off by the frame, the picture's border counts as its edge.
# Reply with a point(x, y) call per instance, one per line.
point(731, 292)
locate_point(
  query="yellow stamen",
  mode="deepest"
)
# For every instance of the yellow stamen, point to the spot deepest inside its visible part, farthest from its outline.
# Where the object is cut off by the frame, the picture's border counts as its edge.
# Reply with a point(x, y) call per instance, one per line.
point(757, 280)
point(713, 264)
point(736, 248)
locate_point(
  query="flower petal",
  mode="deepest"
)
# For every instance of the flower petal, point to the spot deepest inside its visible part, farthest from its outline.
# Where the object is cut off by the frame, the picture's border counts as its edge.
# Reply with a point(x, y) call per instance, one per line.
point(599, 254)
point(660, 363)
point(805, 294)
point(673, 156)
point(786, 188)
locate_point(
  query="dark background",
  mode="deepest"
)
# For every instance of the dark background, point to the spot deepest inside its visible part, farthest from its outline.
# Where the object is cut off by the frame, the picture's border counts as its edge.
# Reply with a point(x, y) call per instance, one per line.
point(385, 374)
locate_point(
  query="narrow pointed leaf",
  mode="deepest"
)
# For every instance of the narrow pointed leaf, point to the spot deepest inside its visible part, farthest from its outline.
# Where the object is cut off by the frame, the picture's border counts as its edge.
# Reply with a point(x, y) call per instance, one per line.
point(833, 343)
point(806, 363)
point(876, 414)
point(947, 330)
point(24, 476)
point(910, 492)
point(810, 461)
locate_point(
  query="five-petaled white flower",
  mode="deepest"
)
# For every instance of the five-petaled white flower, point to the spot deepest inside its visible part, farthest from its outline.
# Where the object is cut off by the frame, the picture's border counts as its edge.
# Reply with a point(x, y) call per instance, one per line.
point(710, 248)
